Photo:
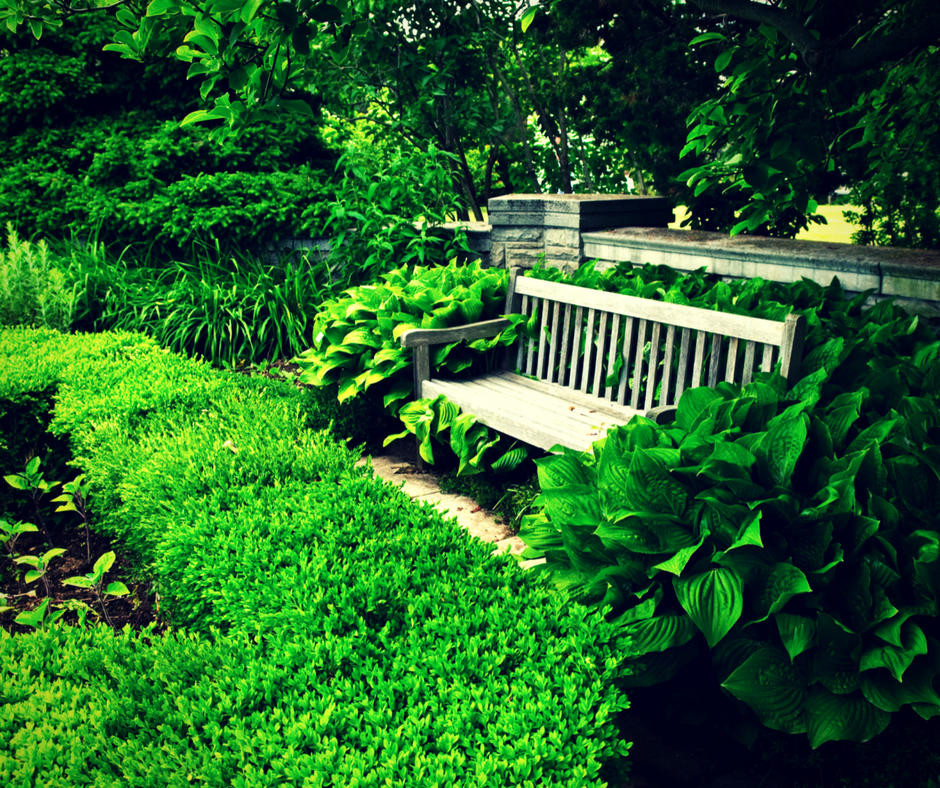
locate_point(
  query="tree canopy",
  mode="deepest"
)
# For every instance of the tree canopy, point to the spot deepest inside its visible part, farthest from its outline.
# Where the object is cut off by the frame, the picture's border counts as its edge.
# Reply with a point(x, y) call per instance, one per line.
point(786, 100)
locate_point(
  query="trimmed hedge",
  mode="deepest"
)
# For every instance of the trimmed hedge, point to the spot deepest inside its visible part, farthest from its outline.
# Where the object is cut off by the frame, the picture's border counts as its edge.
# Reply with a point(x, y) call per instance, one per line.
point(328, 630)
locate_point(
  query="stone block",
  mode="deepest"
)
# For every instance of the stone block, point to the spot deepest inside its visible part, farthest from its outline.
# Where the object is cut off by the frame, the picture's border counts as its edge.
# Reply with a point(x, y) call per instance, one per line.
point(565, 253)
point(562, 237)
point(501, 233)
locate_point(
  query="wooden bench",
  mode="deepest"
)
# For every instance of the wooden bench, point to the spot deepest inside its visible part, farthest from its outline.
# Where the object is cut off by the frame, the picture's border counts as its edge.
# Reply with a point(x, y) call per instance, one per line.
point(595, 350)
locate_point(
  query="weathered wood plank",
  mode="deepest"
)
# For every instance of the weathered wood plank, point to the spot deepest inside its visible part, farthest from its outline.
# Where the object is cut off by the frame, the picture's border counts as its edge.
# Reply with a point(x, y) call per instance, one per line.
point(638, 365)
point(687, 317)
point(553, 344)
point(731, 369)
point(652, 375)
point(767, 362)
point(588, 350)
point(683, 370)
point(667, 366)
point(422, 368)
point(576, 356)
point(599, 363)
point(715, 361)
point(750, 351)
point(625, 354)
point(701, 339)
point(612, 356)
point(543, 340)
point(564, 359)
point(443, 336)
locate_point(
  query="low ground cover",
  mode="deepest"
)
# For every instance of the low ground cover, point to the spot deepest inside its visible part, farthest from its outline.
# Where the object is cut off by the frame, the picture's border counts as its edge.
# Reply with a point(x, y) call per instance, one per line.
point(324, 628)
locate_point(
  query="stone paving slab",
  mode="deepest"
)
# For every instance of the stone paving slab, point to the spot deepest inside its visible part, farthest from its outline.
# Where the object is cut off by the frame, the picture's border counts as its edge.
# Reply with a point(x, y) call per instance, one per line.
point(423, 485)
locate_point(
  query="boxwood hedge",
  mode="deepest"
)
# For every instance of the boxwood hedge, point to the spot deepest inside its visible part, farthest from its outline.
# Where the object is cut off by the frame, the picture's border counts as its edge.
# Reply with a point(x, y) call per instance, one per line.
point(325, 629)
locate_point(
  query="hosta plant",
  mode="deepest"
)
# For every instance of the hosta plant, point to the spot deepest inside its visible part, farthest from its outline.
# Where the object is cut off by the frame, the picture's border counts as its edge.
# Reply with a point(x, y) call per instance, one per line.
point(357, 336)
point(440, 421)
point(792, 539)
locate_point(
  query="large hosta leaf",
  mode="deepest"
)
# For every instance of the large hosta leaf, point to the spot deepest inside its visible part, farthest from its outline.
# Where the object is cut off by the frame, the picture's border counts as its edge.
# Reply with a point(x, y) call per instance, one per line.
point(651, 488)
point(798, 633)
point(576, 504)
point(644, 533)
point(693, 404)
point(661, 633)
point(831, 717)
point(776, 586)
point(559, 471)
point(714, 600)
point(889, 694)
point(773, 687)
point(782, 448)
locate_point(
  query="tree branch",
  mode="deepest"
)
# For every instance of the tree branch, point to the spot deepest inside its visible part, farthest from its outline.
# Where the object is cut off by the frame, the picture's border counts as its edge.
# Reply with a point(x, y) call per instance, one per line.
point(824, 59)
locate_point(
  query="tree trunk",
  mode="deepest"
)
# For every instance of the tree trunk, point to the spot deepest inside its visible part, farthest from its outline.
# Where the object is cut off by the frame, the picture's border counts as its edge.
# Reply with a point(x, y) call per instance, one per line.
point(638, 173)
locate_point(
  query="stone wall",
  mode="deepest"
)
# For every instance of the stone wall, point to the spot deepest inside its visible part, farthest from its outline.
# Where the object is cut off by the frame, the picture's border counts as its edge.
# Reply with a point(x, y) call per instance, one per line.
point(567, 230)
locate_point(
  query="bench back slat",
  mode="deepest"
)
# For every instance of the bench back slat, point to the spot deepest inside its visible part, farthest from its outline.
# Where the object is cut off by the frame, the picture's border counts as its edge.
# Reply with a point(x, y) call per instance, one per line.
point(720, 322)
point(659, 349)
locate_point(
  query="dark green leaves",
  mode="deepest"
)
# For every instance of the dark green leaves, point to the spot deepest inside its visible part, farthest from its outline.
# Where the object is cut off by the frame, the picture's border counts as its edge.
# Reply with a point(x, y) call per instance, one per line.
point(714, 600)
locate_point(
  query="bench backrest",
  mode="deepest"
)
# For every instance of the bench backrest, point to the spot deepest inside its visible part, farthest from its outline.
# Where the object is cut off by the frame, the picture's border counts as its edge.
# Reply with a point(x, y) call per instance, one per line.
point(639, 352)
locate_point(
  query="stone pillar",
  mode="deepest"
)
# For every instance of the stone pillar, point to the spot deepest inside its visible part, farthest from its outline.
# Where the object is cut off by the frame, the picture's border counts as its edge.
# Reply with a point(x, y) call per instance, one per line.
point(528, 227)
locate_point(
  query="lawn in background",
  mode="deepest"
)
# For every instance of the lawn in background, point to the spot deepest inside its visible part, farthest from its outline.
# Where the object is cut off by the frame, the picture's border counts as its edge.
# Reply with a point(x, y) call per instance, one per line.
point(838, 230)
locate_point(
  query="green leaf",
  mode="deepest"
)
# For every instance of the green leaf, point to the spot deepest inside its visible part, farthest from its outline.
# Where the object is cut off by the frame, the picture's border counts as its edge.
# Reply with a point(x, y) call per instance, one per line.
point(650, 487)
point(527, 18)
point(897, 659)
point(781, 450)
point(693, 404)
point(798, 633)
point(776, 586)
point(558, 471)
point(117, 588)
point(773, 687)
point(713, 36)
point(81, 581)
point(890, 694)
point(575, 504)
point(831, 717)
point(661, 633)
point(658, 666)
point(714, 601)
point(722, 61)
point(17, 482)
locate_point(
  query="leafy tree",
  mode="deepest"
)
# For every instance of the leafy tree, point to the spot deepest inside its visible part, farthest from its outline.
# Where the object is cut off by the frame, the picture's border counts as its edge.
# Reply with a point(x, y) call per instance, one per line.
point(817, 94)
point(93, 144)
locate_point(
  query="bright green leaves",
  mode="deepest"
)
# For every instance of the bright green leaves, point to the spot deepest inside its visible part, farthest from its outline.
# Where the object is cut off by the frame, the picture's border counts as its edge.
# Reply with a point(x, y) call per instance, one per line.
point(358, 336)
point(714, 600)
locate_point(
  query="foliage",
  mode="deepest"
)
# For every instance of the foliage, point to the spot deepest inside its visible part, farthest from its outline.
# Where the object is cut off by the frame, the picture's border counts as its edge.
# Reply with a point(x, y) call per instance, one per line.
point(794, 532)
point(34, 288)
point(95, 581)
point(388, 215)
point(357, 335)
point(900, 200)
point(850, 93)
point(92, 149)
point(466, 437)
point(39, 564)
point(74, 498)
point(225, 310)
point(324, 596)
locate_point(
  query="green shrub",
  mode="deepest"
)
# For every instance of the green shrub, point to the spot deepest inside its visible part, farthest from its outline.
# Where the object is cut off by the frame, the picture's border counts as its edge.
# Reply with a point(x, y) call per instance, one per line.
point(328, 627)
point(389, 216)
point(793, 535)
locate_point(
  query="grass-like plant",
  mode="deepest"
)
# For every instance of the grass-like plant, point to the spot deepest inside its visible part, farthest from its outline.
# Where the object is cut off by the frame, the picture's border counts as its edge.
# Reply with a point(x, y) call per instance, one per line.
point(229, 310)
point(35, 288)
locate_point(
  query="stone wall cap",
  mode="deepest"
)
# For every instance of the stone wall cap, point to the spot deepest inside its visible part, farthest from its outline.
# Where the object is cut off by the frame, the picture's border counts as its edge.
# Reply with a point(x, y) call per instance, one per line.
point(575, 203)
point(884, 260)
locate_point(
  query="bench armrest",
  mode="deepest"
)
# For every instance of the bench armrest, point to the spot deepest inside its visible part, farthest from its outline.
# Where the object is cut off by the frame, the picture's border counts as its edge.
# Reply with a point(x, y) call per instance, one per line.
point(422, 338)
point(442, 336)
point(663, 414)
